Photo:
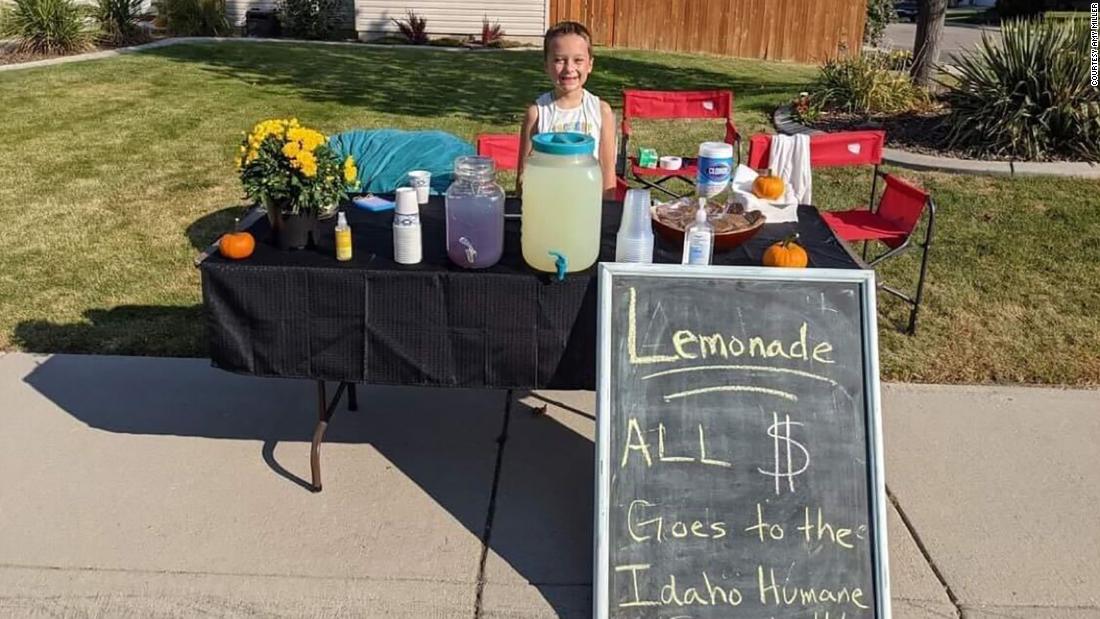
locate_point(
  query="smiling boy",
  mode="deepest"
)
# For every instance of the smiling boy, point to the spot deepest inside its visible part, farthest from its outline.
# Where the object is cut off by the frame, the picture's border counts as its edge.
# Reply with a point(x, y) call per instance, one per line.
point(567, 53)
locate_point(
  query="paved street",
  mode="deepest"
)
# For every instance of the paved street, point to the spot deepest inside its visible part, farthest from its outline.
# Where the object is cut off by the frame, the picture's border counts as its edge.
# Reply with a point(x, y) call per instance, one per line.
point(955, 38)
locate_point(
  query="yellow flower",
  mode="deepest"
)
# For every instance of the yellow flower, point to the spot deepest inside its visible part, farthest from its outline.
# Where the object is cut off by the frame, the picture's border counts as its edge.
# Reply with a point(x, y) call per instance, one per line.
point(291, 149)
point(350, 171)
point(265, 128)
point(308, 138)
point(307, 163)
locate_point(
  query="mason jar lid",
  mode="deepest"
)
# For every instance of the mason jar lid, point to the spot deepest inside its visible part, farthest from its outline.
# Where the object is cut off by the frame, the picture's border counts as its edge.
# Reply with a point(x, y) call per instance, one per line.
point(563, 143)
point(474, 165)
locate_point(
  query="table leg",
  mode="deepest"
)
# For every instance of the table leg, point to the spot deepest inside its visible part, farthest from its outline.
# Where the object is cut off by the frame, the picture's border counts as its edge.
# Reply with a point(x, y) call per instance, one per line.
point(325, 410)
point(353, 398)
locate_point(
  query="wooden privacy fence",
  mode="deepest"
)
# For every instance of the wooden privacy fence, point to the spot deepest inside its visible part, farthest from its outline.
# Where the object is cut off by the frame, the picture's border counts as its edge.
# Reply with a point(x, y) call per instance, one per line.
point(797, 30)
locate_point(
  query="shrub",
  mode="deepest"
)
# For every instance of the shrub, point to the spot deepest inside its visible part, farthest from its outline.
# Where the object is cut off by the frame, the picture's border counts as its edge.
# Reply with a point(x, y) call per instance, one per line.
point(118, 21)
point(879, 14)
point(491, 34)
point(46, 26)
point(310, 19)
point(414, 28)
point(874, 83)
point(446, 42)
point(1029, 97)
point(192, 18)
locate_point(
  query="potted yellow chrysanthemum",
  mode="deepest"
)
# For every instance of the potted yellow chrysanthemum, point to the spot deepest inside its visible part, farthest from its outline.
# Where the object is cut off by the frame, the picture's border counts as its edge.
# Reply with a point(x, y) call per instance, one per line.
point(293, 173)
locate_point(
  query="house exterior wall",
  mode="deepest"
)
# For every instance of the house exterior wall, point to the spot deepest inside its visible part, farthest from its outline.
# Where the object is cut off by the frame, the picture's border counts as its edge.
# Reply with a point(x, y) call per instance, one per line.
point(518, 18)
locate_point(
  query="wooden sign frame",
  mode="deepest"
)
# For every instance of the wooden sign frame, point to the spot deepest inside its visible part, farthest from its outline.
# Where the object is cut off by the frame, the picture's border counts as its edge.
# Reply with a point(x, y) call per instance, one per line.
point(865, 279)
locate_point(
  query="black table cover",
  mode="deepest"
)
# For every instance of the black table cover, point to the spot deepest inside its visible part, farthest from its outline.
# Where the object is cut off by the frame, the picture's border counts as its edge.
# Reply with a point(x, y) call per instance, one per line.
point(302, 314)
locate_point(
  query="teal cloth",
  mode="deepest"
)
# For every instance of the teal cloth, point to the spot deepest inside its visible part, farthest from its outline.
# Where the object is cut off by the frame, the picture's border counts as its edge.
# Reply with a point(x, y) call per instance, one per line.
point(385, 156)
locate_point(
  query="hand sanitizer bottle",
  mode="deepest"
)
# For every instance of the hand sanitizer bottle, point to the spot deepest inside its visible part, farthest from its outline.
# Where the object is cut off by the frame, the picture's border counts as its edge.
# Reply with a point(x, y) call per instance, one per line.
point(699, 238)
point(343, 238)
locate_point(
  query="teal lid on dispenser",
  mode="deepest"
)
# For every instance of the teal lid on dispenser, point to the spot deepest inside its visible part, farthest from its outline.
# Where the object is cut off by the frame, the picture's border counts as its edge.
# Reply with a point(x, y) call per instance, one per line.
point(565, 143)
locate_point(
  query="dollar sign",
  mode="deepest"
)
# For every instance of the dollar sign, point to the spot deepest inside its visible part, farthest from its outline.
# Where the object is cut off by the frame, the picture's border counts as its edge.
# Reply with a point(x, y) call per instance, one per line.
point(780, 432)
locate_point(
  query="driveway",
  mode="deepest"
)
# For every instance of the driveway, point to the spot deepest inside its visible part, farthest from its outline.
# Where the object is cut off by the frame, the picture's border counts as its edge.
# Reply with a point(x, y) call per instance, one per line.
point(955, 38)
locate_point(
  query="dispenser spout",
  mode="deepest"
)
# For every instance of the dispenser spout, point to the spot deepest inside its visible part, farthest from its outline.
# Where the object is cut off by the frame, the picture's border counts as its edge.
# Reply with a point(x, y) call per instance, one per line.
point(561, 263)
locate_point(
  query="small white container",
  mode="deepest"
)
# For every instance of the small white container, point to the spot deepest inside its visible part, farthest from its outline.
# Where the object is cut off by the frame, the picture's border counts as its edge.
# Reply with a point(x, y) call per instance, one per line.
point(670, 162)
point(715, 166)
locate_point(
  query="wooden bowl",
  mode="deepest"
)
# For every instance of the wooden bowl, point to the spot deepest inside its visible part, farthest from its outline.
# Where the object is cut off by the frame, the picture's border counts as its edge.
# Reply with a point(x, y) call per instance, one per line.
point(722, 241)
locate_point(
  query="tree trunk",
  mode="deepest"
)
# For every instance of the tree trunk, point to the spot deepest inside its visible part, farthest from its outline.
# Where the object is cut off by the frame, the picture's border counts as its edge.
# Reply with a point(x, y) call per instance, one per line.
point(926, 48)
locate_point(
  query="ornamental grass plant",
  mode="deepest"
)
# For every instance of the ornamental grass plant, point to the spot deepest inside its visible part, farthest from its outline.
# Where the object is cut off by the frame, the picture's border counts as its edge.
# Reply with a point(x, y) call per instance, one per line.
point(1028, 97)
point(287, 166)
point(118, 22)
point(46, 26)
point(870, 83)
point(194, 18)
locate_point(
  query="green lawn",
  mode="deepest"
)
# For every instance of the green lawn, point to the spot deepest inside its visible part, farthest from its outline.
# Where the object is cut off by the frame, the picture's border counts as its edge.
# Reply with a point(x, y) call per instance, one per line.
point(116, 172)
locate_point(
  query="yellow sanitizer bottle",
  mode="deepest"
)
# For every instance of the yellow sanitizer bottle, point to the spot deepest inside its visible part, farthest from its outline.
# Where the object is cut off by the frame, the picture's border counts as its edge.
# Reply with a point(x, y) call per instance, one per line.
point(343, 238)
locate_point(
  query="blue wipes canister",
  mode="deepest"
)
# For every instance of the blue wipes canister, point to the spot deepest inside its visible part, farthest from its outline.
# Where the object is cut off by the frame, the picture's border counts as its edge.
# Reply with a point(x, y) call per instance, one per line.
point(715, 167)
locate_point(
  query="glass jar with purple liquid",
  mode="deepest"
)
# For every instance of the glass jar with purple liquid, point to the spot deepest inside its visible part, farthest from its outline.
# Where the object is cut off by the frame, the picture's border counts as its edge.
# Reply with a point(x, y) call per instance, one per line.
point(475, 214)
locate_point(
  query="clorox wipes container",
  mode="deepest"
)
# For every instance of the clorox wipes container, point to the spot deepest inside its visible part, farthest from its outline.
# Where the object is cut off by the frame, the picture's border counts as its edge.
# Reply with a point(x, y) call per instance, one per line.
point(562, 203)
point(715, 167)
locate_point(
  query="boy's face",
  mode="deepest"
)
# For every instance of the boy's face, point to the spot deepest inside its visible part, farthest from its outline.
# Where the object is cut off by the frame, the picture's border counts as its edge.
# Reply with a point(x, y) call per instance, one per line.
point(568, 62)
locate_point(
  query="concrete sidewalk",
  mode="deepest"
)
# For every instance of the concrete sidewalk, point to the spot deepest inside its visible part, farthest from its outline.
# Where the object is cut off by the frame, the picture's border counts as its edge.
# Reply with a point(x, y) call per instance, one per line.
point(136, 487)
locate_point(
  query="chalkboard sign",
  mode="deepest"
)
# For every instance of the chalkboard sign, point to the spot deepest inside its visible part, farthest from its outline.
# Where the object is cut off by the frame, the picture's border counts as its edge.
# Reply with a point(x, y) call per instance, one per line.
point(739, 449)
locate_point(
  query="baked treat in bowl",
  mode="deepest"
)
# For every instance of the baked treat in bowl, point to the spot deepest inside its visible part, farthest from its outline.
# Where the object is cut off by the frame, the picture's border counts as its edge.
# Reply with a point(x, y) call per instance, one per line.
point(732, 225)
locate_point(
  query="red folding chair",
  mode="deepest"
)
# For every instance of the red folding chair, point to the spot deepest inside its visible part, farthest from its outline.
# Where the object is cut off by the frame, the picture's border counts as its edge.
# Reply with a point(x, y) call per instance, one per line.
point(892, 221)
point(673, 105)
point(830, 150)
point(503, 148)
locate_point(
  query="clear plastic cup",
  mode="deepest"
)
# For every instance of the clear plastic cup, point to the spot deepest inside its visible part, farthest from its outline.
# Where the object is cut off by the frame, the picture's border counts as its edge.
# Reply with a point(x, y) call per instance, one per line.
point(635, 251)
point(634, 242)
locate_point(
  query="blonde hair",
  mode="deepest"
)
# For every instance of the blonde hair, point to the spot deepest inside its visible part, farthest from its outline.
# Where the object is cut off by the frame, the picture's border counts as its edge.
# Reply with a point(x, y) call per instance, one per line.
point(563, 28)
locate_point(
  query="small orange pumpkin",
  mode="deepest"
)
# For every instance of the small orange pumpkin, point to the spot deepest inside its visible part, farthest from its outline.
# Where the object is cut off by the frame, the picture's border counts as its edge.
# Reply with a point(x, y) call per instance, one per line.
point(786, 253)
point(767, 186)
point(236, 245)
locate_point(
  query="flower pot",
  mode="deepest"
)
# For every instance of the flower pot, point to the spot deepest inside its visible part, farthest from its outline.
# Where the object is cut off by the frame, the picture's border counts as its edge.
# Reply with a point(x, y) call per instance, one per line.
point(293, 231)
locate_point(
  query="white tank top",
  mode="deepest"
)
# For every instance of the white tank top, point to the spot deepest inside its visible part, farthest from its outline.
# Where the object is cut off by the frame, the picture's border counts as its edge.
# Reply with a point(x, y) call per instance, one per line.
point(585, 118)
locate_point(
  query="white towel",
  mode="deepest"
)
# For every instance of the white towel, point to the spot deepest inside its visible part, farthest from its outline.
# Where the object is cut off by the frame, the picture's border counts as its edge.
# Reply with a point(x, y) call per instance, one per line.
point(790, 160)
point(776, 212)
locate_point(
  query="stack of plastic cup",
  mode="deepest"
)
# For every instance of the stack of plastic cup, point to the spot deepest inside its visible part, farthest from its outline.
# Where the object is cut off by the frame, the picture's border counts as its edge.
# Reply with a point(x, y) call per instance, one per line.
point(634, 242)
point(406, 227)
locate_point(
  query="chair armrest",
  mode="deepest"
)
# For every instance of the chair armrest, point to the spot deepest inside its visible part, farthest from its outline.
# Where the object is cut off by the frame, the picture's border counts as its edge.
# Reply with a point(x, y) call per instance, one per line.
point(732, 135)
